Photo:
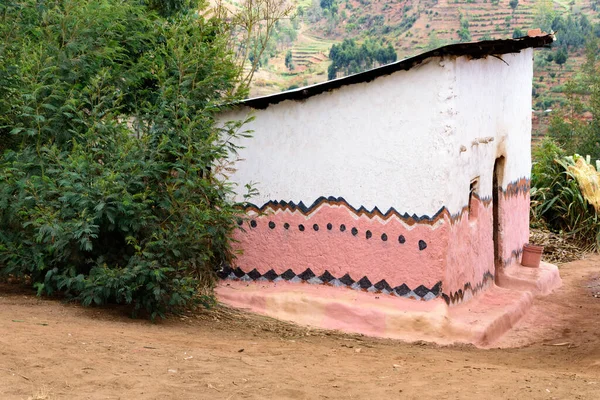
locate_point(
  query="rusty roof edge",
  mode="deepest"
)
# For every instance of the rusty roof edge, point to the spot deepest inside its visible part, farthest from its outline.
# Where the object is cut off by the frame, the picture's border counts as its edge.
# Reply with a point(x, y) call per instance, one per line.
point(472, 49)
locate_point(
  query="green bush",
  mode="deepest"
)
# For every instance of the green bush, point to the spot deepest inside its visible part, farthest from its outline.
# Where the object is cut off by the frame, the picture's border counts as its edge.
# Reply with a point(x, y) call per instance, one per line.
point(109, 172)
point(556, 200)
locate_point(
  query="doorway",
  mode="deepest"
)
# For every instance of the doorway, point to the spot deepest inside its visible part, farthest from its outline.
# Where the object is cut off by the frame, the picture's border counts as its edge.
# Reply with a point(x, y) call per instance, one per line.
point(497, 223)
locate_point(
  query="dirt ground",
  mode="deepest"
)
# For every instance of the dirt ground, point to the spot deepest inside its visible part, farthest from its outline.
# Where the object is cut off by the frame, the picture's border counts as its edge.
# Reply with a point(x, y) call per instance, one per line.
point(52, 350)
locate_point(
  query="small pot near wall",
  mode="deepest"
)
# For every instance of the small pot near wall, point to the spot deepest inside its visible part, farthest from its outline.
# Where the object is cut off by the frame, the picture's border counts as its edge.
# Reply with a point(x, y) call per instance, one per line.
point(532, 255)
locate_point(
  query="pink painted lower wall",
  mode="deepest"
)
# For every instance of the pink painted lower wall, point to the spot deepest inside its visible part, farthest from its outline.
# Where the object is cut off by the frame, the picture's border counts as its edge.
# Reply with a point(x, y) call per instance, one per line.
point(514, 221)
point(333, 243)
point(333, 239)
point(470, 257)
point(470, 263)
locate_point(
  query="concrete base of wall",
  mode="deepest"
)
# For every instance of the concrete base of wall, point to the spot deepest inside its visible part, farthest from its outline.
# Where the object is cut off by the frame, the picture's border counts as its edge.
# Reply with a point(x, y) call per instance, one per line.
point(542, 280)
point(479, 321)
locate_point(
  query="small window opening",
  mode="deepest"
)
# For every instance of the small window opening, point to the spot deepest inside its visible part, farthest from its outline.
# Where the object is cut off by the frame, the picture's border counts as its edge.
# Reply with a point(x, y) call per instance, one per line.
point(474, 199)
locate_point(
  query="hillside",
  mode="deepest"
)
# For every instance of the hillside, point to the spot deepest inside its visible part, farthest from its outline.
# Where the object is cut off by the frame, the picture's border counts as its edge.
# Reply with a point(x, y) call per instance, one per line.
point(414, 26)
point(411, 25)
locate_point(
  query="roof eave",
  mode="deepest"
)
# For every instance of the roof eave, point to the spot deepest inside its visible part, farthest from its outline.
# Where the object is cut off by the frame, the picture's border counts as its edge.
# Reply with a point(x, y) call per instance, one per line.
point(474, 50)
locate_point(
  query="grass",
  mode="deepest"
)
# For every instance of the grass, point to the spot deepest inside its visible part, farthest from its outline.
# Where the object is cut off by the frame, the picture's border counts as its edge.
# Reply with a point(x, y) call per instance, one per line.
point(304, 3)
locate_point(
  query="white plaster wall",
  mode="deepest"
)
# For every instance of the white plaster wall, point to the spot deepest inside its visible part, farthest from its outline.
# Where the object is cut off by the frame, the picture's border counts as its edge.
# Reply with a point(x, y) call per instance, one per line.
point(395, 141)
point(385, 143)
point(493, 99)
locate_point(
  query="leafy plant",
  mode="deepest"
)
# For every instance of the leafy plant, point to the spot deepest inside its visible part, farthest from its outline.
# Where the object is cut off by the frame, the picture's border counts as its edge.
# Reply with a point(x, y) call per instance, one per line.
point(567, 128)
point(111, 184)
point(557, 202)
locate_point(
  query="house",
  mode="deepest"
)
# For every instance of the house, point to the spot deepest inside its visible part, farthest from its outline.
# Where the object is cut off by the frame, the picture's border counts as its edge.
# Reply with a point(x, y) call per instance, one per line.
point(394, 202)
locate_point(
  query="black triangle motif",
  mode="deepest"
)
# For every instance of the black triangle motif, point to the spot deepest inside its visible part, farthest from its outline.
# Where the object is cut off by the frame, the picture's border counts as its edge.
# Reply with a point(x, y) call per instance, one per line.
point(224, 272)
point(347, 280)
point(402, 290)
point(437, 289)
point(326, 277)
point(270, 275)
point(383, 285)
point(421, 291)
point(254, 274)
point(238, 272)
point(288, 275)
point(306, 275)
point(364, 283)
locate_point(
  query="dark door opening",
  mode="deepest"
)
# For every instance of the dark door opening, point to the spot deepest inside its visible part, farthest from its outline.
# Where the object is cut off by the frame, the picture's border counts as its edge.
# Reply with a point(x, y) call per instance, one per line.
point(497, 225)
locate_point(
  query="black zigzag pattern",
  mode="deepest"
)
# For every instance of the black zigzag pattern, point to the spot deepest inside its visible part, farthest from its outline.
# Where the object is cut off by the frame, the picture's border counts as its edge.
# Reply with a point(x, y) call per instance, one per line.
point(520, 186)
point(340, 201)
point(308, 276)
point(458, 297)
point(514, 256)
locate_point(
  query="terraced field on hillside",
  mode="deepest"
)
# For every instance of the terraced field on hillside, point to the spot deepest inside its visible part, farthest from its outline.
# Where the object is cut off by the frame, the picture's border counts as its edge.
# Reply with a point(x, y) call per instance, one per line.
point(309, 51)
point(310, 60)
point(413, 26)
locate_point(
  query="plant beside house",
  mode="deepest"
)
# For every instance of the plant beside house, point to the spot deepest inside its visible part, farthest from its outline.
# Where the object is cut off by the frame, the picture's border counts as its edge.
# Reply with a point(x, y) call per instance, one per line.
point(109, 181)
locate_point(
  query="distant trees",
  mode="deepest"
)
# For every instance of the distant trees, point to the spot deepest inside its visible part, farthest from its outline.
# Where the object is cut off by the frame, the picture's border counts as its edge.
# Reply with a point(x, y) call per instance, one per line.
point(573, 32)
point(582, 93)
point(288, 60)
point(513, 4)
point(314, 12)
point(434, 42)
point(561, 57)
point(544, 15)
point(517, 33)
point(463, 33)
point(349, 58)
point(329, 5)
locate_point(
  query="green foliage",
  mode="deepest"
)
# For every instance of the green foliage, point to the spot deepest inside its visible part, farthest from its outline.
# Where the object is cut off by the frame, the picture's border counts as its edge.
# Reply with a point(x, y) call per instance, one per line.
point(561, 57)
point(463, 33)
point(544, 15)
point(434, 42)
point(329, 5)
point(513, 4)
point(110, 187)
point(283, 34)
point(407, 22)
point(544, 168)
point(170, 7)
point(288, 60)
point(572, 32)
point(348, 58)
point(517, 33)
point(582, 93)
point(556, 199)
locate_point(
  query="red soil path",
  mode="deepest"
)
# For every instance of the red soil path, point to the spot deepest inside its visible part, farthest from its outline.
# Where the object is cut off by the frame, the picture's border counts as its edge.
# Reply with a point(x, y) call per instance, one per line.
point(51, 350)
